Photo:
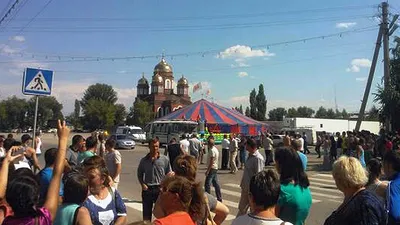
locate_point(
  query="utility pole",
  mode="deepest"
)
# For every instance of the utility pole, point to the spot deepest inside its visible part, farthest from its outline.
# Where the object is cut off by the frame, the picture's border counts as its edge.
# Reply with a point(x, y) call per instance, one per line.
point(369, 81)
point(383, 35)
point(386, 59)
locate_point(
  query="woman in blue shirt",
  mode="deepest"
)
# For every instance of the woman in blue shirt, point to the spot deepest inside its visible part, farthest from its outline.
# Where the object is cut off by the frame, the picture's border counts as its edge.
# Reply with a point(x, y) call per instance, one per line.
point(104, 202)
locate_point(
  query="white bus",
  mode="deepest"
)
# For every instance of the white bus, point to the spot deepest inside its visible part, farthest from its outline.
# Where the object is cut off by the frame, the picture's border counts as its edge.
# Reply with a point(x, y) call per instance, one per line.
point(165, 130)
point(134, 132)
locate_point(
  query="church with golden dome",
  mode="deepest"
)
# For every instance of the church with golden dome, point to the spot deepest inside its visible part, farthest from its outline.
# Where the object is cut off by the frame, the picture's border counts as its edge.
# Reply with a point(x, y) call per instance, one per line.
point(160, 94)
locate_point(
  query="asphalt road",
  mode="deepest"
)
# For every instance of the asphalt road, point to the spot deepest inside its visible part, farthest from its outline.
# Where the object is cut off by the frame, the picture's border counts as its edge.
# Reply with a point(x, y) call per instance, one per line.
point(326, 197)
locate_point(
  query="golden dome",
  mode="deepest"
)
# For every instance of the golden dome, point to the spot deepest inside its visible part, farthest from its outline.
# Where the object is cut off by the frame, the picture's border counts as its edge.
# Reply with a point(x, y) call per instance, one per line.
point(157, 79)
point(183, 81)
point(143, 81)
point(163, 66)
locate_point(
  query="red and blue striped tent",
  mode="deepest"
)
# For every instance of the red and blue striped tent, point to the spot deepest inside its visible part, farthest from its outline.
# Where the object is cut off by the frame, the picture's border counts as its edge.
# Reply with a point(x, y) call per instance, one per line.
point(218, 119)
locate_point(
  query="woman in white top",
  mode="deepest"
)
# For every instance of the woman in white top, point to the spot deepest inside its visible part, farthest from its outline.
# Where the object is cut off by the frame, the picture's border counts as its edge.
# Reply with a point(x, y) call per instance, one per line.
point(38, 144)
point(375, 185)
point(263, 197)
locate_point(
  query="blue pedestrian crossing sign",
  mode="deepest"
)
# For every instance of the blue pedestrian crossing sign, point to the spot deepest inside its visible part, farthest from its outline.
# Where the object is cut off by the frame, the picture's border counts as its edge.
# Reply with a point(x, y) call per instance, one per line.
point(37, 82)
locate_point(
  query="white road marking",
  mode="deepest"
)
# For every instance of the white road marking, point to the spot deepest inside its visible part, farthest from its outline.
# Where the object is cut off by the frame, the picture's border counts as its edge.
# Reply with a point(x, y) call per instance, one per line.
point(322, 184)
point(325, 189)
point(325, 195)
point(324, 175)
point(322, 180)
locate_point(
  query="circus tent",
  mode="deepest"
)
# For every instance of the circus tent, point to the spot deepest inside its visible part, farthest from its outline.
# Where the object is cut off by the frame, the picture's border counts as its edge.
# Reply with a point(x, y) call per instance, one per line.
point(218, 119)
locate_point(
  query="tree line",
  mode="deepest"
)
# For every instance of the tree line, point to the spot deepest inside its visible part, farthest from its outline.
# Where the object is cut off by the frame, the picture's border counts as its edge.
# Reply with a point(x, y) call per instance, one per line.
point(258, 107)
point(97, 109)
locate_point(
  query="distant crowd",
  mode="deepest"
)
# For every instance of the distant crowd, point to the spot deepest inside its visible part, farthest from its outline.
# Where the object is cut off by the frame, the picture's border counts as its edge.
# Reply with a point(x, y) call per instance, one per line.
point(79, 183)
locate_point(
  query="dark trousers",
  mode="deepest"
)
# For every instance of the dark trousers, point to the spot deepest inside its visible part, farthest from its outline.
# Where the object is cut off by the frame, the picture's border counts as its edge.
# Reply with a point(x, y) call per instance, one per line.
point(225, 159)
point(318, 150)
point(268, 157)
point(149, 197)
point(213, 178)
point(306, 150)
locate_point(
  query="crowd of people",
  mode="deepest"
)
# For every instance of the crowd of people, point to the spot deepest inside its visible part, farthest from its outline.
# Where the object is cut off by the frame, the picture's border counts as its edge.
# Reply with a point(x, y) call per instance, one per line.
point(79, 184)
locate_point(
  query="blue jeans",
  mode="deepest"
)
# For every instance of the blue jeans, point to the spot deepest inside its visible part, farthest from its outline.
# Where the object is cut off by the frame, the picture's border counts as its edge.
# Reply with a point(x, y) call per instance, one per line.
point(213, 178)
point(243, 156)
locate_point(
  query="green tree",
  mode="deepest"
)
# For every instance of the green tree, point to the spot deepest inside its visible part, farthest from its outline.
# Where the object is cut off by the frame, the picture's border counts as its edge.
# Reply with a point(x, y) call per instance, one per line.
point(277, 114)
point(292, 112)
point(75, 117)
point(99, 114)
point(253, 104)
point(140, 113)
point(241, 109)
point(389, 97)
point(48, 109)
point(105, 114)
point(247, 112)
point(305, 112)
point(330, 114)
point(120, 114)
point(13, 113)
point(103, 92)
point(321, 113)
point(373, 114)
point(261, 104)
point(345, 115)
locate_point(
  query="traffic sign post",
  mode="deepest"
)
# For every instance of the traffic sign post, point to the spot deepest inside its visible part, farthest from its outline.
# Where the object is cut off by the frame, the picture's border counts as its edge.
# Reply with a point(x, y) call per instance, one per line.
point(37, 82)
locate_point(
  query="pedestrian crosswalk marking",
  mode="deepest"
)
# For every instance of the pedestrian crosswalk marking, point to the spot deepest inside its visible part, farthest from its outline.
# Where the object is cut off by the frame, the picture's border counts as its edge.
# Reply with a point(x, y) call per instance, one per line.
point(323, 185)
point(325, 195)
point(322, 180)
point(233, 185)
point(325, 175)
point(232, 193)
point(325, 189)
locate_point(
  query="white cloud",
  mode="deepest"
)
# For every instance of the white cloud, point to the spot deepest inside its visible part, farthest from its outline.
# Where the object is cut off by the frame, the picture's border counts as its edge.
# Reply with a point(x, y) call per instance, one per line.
point(18, 38)
point(6, 49)
point(122, 71)
point(243, 74)
point(126, 96)
point(346, 25)
point(357, 64)
point(205, 85)
point(361, 79)
point(16, 68)
point(243, 51)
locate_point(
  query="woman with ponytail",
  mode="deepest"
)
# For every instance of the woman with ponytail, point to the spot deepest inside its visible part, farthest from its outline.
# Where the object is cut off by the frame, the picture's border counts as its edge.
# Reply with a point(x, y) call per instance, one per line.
point(182, 201)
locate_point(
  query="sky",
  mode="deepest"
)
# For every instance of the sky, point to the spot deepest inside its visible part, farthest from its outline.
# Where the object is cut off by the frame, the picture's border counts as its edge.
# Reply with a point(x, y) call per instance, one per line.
point(312, 53)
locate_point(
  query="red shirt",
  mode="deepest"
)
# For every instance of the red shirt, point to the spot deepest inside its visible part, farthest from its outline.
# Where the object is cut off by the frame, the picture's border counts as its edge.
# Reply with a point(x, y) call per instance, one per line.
point(389, 145)
point(175, 218)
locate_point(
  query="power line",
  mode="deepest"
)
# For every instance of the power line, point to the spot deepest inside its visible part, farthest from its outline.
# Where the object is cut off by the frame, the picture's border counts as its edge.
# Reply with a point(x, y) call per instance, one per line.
point(226, 16)
point(187, 54)
point(166, 28)
point(9, 11)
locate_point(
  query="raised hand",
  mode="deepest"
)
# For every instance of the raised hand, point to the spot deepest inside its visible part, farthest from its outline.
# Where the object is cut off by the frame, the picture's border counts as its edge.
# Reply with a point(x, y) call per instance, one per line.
point(62, 130)
point(10, 157)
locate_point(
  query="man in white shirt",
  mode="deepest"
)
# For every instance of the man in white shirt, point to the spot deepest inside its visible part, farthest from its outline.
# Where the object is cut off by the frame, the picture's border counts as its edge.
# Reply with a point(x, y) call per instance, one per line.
point(268, 148)
point(254, 164)
point(212, 169)
point(233, 150)
point(184, 144)
point(225, 152)
point(301, 140)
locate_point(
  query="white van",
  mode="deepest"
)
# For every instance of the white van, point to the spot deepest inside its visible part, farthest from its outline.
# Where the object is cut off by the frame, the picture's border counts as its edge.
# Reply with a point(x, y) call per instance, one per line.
point(134, 132)
point(165, 130)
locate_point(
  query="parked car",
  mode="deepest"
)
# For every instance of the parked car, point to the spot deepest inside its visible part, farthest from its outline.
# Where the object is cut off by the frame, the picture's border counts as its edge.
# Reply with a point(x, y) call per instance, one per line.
point(277, 139)
point(123, 141)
